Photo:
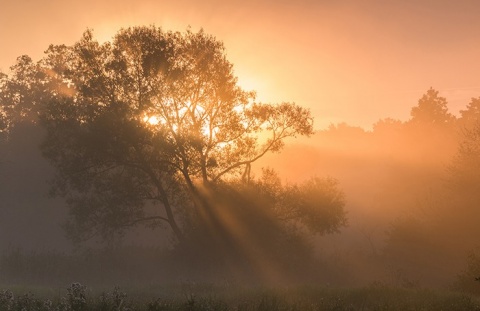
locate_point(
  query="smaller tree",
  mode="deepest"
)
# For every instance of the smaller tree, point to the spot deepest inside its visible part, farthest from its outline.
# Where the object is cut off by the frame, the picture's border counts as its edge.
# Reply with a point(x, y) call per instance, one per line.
point(387, 126)
point(431, 131)
point(471, 115)
point(26, 90)
point(22, 90)
point(431, 110)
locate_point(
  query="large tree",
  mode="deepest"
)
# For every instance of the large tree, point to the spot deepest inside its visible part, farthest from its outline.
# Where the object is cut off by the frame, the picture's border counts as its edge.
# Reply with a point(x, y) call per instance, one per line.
point(144, 128)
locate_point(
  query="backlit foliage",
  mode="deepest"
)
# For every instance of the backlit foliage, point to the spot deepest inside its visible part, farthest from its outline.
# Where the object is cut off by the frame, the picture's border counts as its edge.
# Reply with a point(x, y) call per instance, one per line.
point(141, 127)
point(152, 128)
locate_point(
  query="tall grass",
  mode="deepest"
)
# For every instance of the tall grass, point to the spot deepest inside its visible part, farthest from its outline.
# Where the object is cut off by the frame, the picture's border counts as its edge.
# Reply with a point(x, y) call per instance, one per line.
point(37, 281)
point(193, 297)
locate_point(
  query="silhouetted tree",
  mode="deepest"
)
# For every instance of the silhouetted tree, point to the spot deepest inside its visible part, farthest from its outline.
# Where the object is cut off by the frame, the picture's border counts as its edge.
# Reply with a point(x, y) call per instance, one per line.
point(471, 115)
point(22, 90)
point(387, 126)
point(431, 110)
point(25, 92)
point(141, 128)
point(345, 130)
point(431, 131)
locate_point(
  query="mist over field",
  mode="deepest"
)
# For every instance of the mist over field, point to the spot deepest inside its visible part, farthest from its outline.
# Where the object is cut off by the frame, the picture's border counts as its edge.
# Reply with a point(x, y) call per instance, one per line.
point(308, 156)
point(410, 220)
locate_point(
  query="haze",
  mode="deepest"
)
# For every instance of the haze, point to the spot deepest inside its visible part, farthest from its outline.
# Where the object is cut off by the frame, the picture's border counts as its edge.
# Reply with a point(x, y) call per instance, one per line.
point(349, 61)
point(394, 91)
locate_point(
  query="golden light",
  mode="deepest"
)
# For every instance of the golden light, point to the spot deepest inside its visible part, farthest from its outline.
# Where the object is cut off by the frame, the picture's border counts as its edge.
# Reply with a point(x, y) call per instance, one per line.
point(152, 120)
point(224, 218)
point(249, 81)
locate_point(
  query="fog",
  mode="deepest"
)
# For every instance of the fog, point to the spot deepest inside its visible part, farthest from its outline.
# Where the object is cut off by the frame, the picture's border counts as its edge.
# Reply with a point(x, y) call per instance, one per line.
point(412, 216)
point(403, 225)
point(30, 219)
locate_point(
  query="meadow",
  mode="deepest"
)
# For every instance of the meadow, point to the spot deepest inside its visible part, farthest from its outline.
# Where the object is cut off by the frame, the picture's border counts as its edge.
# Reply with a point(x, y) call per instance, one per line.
point(192, 296)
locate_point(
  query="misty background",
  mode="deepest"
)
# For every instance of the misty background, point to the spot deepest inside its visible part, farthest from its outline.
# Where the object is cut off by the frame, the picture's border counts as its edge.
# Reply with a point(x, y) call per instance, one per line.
point(409, 175)
point(411, 202)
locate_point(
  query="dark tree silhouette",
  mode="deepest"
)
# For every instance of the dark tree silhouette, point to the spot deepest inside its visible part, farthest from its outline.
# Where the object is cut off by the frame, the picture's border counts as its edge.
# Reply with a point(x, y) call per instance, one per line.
point(142, 128)
point(471, 115)
point(431, 109)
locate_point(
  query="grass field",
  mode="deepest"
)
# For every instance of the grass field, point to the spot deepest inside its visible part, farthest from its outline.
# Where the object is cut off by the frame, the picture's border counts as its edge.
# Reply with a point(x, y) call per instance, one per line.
point(189, 296)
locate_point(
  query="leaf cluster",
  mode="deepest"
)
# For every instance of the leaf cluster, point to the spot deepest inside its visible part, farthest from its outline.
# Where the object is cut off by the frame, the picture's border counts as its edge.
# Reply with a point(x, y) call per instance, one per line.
point(139, 126)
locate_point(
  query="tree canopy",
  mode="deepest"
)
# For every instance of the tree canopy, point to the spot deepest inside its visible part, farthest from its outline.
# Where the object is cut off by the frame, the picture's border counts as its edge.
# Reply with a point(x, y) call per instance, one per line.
point(141, 128)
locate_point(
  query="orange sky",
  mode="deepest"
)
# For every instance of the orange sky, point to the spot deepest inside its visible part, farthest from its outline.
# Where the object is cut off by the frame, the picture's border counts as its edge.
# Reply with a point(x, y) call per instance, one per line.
point(352, 61)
